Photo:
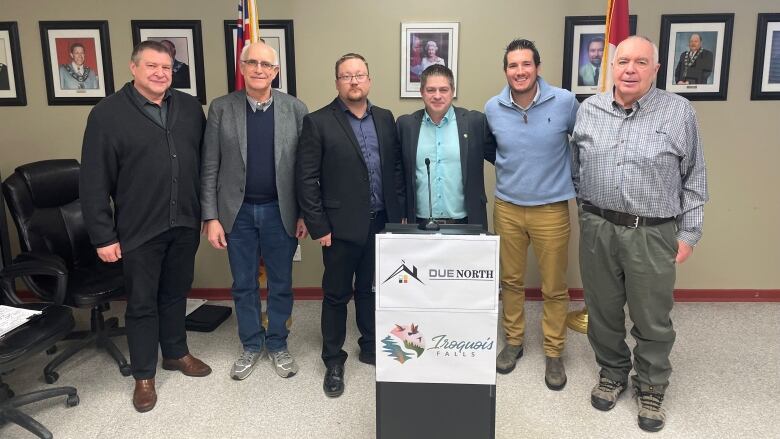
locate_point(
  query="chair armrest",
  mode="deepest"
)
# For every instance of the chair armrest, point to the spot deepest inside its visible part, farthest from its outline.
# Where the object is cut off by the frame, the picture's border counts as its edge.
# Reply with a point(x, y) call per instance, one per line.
point(35, 264)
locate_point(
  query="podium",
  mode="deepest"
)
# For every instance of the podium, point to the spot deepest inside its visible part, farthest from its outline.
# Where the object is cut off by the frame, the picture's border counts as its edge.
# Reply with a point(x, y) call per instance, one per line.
point(436, 332)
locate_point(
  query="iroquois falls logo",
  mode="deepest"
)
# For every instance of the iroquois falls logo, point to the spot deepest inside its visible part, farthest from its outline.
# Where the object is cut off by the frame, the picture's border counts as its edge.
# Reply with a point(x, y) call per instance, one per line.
point(404, 343)
point(403, 273)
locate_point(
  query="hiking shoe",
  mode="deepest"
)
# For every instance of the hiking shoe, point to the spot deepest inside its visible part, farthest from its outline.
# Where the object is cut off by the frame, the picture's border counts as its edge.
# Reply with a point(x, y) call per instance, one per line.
point(554, 373)
point(507, 359)
point(245, 364)
point(284, 364)
point(606, 393)
point(652, 416)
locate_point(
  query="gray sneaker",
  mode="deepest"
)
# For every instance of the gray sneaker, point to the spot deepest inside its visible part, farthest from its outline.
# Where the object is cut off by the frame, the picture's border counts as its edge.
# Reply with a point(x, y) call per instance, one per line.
point(652, 416)
point(507, 359)
point(606, 393)
point(245, 364)
point(284, 364)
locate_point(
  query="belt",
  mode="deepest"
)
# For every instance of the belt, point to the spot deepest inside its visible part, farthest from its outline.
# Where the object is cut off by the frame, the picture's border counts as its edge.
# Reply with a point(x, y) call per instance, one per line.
point(375, 214)
point(623, 219)
point(445, 220)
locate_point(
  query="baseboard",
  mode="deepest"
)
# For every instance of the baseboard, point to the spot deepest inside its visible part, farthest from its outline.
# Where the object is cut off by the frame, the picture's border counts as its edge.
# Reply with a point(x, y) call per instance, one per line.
point(681, 295)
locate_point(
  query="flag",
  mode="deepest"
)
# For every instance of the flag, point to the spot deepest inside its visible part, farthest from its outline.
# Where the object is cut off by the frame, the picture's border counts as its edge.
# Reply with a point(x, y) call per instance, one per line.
point(248, 32)
point(615, 31)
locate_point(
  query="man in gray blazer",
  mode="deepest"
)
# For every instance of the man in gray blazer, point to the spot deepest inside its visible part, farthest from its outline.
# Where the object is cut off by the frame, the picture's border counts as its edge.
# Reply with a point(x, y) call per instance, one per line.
point(454, 141)
point(249, 204)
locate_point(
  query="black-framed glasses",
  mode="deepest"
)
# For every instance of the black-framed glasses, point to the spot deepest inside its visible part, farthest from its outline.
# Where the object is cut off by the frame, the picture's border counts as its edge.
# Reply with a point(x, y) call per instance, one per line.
point(360, 77)
point(262, 64)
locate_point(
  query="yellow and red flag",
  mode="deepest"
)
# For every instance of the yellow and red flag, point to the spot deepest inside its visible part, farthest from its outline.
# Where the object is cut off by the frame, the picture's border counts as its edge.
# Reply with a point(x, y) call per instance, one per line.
point(615, 31)
point(248, 32)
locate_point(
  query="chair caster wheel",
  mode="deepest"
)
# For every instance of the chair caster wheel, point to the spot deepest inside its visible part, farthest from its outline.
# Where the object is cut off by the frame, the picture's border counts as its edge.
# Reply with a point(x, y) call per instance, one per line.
point(51, 350)
point(72, 401)
point(125, 370)
point(51, 377)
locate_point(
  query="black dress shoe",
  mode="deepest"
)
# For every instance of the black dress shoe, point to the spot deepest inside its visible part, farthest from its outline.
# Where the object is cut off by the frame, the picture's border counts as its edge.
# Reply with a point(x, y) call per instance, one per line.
point(333, 385)
point(367, 357)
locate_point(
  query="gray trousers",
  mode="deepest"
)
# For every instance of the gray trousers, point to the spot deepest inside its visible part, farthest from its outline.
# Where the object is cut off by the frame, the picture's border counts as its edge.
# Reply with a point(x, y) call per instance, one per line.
point(619, 266)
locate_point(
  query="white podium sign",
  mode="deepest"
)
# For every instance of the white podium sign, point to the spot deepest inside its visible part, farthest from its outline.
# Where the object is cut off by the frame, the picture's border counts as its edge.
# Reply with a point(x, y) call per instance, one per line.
point(436, 308)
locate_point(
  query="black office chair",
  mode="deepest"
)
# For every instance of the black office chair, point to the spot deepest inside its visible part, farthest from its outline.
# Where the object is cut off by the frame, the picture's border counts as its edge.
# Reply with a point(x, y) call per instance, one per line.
point(37, 335)
point(43, 198)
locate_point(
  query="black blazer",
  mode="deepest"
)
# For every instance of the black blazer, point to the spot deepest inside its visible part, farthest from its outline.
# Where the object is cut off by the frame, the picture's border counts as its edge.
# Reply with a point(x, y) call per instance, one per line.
point(699, 72)
point(332, 177)
point(476, 140)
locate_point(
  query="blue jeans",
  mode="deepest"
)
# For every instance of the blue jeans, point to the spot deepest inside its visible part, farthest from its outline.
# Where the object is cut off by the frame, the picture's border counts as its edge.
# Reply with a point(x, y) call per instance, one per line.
point(258, 231)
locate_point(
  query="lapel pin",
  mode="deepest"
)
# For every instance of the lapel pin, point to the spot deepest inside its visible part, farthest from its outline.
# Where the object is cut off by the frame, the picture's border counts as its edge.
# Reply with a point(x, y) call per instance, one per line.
point(465, 135)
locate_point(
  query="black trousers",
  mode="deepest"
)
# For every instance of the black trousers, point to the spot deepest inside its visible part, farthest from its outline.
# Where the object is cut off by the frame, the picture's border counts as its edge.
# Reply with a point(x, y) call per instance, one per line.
point(345, 261)
point(158, 276)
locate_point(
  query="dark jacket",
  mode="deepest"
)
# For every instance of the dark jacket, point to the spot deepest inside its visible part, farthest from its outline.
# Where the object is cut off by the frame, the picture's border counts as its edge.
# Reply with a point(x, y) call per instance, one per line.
point(475, 139)
point(332, 177)
point(698, 72)
point(150, 173)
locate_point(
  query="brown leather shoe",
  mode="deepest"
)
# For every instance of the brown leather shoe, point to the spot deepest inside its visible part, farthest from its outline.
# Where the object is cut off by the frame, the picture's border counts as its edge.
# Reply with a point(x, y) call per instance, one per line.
point(144, 396)
point(188, 365)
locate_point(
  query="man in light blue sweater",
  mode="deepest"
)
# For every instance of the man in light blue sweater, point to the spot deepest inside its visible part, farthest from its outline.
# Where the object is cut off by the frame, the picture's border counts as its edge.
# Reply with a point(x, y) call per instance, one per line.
point(531, 121)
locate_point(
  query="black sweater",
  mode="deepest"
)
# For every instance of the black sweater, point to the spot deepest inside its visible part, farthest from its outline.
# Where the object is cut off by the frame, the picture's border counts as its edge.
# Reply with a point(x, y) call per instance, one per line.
point(151, 174)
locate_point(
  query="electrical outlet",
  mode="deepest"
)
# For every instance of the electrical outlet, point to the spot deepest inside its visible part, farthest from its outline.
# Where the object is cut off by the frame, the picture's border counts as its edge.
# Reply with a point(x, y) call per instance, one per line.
point(297, 256)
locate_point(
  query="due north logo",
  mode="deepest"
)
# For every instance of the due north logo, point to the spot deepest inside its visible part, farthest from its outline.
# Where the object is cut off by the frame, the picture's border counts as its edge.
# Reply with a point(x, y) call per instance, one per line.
point(403, 273)
point(460, 274)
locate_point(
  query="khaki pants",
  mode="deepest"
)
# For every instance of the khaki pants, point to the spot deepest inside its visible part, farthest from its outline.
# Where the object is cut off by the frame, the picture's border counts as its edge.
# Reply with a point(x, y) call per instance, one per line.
point(547, 229)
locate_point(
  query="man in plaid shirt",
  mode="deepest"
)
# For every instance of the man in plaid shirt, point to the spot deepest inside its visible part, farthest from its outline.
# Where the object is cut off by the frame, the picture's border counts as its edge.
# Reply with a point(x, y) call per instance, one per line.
point(638, 168)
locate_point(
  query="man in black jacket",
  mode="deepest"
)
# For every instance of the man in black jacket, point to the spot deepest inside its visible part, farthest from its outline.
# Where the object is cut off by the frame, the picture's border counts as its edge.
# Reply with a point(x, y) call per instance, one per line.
point(141, 150)
point(349, 181)
point(454, 141)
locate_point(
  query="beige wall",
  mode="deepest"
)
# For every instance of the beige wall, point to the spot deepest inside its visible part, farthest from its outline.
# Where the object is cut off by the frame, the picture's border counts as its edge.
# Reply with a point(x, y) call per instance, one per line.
point(742, 233)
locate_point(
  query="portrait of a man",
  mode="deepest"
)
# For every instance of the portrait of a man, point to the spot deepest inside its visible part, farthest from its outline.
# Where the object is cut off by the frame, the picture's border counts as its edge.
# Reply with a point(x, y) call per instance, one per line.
point(180, 69)
point(4, 81)
point(76, 74)
point(593, 51)
point(774, 59)
point(694, 65)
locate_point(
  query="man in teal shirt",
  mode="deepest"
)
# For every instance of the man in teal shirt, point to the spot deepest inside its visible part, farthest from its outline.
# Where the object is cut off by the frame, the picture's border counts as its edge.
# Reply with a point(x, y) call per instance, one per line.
point(454, 141)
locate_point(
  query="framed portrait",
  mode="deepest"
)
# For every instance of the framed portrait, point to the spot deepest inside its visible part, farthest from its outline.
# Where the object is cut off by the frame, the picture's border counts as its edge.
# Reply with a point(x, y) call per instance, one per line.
point(766, 64)
point(277, 34)
point(424, 44)
point(694, 54)
point(583, 48)
point(76, 61)
point(183, 38)
point(11, 74)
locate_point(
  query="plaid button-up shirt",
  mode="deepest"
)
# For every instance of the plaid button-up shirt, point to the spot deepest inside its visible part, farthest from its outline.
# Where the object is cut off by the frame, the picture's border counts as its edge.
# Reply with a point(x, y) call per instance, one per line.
point(648, 162)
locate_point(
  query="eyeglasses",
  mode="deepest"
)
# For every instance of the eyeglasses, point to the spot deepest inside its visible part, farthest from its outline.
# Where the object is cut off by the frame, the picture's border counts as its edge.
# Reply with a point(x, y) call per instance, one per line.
point(360, 77)
point(253, 63)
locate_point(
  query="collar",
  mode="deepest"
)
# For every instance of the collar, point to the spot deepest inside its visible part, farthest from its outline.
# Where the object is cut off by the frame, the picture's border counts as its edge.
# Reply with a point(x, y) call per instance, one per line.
point(448, 117)
point(543, 93)
point(256, 105)
point(344, 108)
point(534, 101)
point(76, 68)
point(141, 99)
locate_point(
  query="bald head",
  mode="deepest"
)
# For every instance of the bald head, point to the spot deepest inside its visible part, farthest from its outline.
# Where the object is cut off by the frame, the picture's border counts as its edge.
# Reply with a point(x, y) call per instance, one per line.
point(634, 69)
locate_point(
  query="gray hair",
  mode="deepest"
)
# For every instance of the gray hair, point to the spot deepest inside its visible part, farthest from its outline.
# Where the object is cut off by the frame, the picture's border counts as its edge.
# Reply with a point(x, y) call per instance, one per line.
point(258, 43)
point(643, 38)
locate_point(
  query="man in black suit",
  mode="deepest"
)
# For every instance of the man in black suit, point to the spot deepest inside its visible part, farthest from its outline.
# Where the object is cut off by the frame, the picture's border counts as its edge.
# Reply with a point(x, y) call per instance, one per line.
point(4, 82)
point(349, 179)
point(180, 70)
point(453, 140)
point(695, 64)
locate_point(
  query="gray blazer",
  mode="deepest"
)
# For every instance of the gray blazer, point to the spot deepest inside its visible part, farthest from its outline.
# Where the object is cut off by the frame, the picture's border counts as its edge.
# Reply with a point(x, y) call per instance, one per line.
point(223, 167)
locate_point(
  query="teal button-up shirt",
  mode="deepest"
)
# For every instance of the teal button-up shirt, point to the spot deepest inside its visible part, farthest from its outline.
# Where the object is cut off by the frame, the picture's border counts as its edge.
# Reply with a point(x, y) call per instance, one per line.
point(441, 145)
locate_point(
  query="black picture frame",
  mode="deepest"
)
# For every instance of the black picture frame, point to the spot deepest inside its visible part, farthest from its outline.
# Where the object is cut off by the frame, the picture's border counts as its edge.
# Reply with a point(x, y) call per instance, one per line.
point(576, 30)
point(188, 35)
point(276, 29)
point(93, 33)
point(12, 92)
point(766, 61)
point(715, 34)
